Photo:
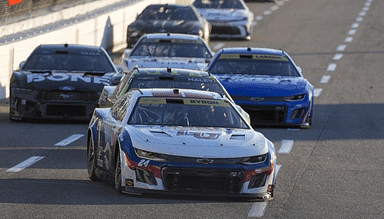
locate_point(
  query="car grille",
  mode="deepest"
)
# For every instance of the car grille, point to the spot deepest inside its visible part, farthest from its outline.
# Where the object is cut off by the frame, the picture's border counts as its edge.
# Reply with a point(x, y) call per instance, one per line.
point(202, 180)
point(67, 96)
point(225, 30)
point(270, 114)
point(66, 110)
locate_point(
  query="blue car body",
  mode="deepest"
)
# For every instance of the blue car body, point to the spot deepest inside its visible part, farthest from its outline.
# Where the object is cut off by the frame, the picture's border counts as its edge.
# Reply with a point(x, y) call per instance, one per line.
point(267, 84)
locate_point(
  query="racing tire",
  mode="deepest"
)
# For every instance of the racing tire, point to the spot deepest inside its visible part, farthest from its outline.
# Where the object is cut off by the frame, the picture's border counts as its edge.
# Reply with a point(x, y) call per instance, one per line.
point(91, 160)
point(118, 187)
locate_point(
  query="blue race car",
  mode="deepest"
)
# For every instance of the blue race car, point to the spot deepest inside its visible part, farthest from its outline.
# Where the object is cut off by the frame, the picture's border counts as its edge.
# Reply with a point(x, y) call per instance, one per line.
point(267, 84)
point(180, 141)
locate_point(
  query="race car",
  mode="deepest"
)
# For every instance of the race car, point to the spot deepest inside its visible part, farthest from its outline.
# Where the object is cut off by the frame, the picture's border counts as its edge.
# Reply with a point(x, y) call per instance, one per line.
point(168, 18)
point(167, 50)
point(60, 81)
point(267, 84)
point(179, 141)
point(228, 18)
point(164, 78)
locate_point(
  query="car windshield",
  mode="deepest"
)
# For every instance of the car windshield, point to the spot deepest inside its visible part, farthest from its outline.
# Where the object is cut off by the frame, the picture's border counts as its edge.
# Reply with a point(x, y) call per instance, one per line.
point(185, 112)
point(196, 85)
point(162, 12)
point(218, 4)
point(172, 48)
point(258, 65)
point(84, 61)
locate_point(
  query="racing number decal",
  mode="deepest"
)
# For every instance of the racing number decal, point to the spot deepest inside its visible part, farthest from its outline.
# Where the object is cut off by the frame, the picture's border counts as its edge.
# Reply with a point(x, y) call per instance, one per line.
point(143, 162)
point(200, 135)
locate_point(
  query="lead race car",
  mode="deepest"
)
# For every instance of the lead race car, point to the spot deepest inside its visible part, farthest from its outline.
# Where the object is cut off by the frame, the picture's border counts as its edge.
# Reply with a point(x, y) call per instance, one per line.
point(229, 18)
point(179, 141)
point(60, 81)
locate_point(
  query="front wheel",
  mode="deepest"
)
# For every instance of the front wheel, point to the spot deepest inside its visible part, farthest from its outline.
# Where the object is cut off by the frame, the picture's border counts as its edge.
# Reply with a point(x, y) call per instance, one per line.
point(118, 173)
point(91, 160)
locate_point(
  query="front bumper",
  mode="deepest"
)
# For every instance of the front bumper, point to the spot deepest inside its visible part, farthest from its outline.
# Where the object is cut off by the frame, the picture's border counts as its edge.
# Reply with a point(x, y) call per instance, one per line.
point(278, 113)
point(147, 176)
point(234, 29)
point(52, 105)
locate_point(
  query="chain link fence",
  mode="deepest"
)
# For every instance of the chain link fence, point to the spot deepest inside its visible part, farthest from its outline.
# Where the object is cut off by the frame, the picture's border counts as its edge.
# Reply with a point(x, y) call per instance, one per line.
point(17, 10)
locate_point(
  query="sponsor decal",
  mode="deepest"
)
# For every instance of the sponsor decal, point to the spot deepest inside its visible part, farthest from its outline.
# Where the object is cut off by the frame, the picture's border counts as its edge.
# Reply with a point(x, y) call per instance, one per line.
point(129, 183)
point(255, 56)
point(67, 88)
point(33, 78)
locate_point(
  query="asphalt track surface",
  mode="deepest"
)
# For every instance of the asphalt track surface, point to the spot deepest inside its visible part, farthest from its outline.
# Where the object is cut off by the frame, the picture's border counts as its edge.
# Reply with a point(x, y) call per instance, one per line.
point(332, 170)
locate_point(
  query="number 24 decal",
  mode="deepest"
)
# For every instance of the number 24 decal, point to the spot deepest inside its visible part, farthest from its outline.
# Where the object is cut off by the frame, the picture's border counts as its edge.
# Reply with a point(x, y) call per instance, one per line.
point(143, 162)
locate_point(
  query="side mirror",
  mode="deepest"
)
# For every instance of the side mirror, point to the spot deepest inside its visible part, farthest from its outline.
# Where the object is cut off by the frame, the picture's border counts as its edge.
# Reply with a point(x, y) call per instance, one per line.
point(300, 70)
point(21, 64)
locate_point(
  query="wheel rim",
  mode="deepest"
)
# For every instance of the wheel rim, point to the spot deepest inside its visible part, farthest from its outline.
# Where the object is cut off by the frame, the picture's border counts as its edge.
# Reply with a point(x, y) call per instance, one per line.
point(91, 156)
point(118, 174)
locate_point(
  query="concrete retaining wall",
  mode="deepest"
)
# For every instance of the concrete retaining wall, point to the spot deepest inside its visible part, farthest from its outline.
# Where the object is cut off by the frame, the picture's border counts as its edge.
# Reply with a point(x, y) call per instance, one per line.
point(106, 29)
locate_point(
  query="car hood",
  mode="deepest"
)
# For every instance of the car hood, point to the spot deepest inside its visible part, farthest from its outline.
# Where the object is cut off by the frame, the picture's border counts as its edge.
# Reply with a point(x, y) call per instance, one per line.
point(263, 86)
point(224, 14)
point(198, 141)
point(164, 26)
point(163, 62)
point(62, 81)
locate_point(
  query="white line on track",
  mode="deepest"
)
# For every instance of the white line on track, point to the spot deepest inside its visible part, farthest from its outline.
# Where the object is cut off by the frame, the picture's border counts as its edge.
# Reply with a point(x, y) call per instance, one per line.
point(69, 140)
point(258, 208)
point(363, 13)
point(219, 46)
point(341, 47)
point(338, 56)
point(274, 8)
point(359, 19)
point(286, 146)
point(352, 32)
point(267, 12)
point(348, 39)
point(317, 92)
point(259, 17)
point(331, 67)
point(355, 25)
point(365, 9)
point(21, 166)
point(325, 79)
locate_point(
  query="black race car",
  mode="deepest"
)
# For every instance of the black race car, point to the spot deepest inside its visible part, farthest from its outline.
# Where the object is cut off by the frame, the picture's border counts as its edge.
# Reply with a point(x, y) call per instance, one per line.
point(60, 82)
point(168, 18)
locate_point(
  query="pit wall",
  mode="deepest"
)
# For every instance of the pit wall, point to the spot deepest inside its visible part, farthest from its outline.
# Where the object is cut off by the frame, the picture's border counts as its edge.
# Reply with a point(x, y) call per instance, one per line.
point(107, 30)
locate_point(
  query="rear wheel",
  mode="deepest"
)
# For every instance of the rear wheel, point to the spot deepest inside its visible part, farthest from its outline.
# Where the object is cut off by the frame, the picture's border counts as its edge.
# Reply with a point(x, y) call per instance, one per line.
point(91, 159)
point(118, 173)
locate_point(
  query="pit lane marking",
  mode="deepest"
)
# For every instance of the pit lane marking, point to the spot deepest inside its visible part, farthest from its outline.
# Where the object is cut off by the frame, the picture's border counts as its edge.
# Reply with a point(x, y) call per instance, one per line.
point(341, 48)
point(69, 140)
point(29, 162)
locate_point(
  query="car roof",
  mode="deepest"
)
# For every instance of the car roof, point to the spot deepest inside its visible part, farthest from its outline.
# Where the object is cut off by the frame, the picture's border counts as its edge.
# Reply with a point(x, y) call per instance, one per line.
point(171, 36)
point(174, 72)
point(249, 50)
point(177, 93)
point(68, 47)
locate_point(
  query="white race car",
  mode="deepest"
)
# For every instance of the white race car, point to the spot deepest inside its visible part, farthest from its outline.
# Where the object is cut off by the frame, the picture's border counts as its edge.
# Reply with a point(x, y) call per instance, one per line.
point(229, 18)
point(167, 50)
point(180, 141)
